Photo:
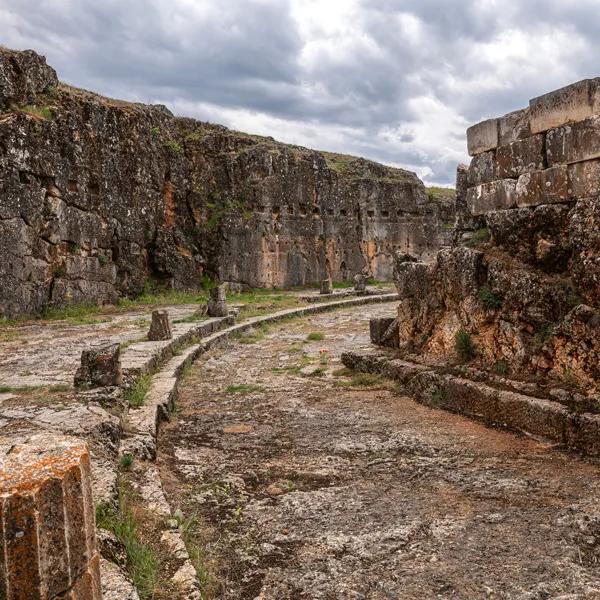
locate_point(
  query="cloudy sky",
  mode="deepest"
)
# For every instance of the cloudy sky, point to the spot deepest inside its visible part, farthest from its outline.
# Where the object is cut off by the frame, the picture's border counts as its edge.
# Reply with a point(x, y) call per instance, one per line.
point(397, 81)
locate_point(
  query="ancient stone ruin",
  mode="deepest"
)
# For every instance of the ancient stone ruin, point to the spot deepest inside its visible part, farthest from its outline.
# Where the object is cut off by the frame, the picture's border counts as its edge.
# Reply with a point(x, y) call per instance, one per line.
point(522, 289)
point(100, 195)
point(47, 521)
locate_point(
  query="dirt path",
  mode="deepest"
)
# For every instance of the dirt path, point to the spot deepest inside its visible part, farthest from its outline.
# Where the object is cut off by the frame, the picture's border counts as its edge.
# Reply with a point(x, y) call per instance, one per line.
point(295, 487)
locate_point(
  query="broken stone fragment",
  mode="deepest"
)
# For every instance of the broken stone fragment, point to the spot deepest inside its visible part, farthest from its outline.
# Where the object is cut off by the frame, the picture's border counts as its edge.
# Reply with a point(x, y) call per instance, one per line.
point(100, 367)
point(384, 331)
point(160, 328)
point(47, 516)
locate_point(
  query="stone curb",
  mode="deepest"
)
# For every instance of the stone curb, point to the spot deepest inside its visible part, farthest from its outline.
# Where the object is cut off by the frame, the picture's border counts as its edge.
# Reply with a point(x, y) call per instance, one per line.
point(538, 417)
point(141, 430)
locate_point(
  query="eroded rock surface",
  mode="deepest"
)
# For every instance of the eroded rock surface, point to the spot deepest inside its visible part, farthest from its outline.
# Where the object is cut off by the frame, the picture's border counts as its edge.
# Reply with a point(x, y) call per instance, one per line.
point(97, 195)
point(305, 489)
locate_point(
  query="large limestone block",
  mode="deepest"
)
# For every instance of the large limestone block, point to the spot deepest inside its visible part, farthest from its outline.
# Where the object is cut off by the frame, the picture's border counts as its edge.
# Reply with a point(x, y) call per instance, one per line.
point(574, 143)
point(48, 543)
point(584, 179)
point(482, 137)
point(546, 186)
point(569, 104)
point(513, 126)
point(483, 169)
point(522, 156)
point(484, 198)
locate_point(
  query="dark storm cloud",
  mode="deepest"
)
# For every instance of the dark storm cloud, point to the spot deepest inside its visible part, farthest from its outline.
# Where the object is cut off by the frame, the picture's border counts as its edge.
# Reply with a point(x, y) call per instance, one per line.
point(395, 80)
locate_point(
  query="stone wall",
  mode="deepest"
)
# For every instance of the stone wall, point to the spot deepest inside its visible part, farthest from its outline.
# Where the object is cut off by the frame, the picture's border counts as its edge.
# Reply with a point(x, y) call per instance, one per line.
point(99, 195)
point(522, 285)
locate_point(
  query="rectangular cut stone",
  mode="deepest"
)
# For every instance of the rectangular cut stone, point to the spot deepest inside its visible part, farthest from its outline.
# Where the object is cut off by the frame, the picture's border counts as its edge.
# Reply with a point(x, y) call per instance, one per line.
point(483, 198)
point(522, 156)
point(482, 169)
point(543, 187)
point(574, 143)
point(584, 179)
point(513, 126)
point(569, 104)
point(482, 137)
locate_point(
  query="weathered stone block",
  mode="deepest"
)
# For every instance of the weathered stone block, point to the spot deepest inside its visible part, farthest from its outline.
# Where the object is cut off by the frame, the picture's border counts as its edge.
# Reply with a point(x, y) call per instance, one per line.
point(47, 520)
point(574, 143)
point(543, 187)
point(499, 194)
point(569, 104)
point(100, 367)
point(482, 137)
point(160, 328)
point(217, 303)
point(522, 156)
point(326, 286)
point(513, 126)
point(483, 169)
point(584, 179)
point(360, 283)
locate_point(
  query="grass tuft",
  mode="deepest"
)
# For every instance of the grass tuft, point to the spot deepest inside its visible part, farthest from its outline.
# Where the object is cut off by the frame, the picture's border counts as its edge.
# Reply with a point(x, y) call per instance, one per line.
point(487, 297)
point(136, 395)
point(464, 346)
point(315, 336)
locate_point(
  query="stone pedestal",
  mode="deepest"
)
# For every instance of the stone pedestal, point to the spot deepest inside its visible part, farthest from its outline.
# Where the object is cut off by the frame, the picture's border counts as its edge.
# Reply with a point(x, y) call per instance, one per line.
point(48, 540)
point(160, 328)
point(100, 367)
point(326, 286)
point(360, 284)
point(217, 303)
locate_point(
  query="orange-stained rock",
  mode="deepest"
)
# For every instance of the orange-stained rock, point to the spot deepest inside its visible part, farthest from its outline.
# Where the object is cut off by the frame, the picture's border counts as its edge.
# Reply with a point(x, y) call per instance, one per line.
point(47, 520)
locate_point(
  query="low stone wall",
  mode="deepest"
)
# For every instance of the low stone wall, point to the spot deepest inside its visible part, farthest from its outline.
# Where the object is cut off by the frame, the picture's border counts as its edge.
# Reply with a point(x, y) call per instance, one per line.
point(518, 411)
point(48, 540)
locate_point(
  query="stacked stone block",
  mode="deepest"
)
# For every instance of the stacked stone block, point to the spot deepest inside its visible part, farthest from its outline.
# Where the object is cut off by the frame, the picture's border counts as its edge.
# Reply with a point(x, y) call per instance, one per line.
point(47, 530)
point(547, 153)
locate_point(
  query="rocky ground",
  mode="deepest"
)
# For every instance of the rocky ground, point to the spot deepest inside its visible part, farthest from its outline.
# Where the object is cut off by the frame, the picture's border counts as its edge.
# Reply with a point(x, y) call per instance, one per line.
point(295, 481)
point(46, 353)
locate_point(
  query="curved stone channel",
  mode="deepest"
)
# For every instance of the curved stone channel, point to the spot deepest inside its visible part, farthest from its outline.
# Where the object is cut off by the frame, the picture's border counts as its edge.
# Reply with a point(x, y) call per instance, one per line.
point(296, 484)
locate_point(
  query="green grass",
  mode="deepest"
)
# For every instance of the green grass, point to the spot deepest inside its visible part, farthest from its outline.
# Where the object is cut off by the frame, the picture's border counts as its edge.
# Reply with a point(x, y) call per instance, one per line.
point(318, 372)
point(243, 388)
point(364, 380)
point(436, 193)
point(315, 336)
point(488, 298)
point(173, 146)
point(199, 557)
point(42, 112)
point(291, 370)
point(142, 561)
point(193, 318)
point(501, 367)
point(135, 396)
point(261, 302)
point(479, 237)
point(30, 389)
point(464, 346)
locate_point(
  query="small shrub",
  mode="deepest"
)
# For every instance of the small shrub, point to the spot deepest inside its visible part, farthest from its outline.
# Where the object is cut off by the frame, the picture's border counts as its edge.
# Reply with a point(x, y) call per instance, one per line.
point(103, 260)
point(155, 131)
point(173, 146)
point(501, 367)
point(490, 300)
point(343, 372)
point(543, 334)
point(136, 395)
point(126, 461)
point(439, 396)
point(315, 336)
point(479, 237)
point(42, 112)
point(464, 346)
point(59, 271)
point(363, 380)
